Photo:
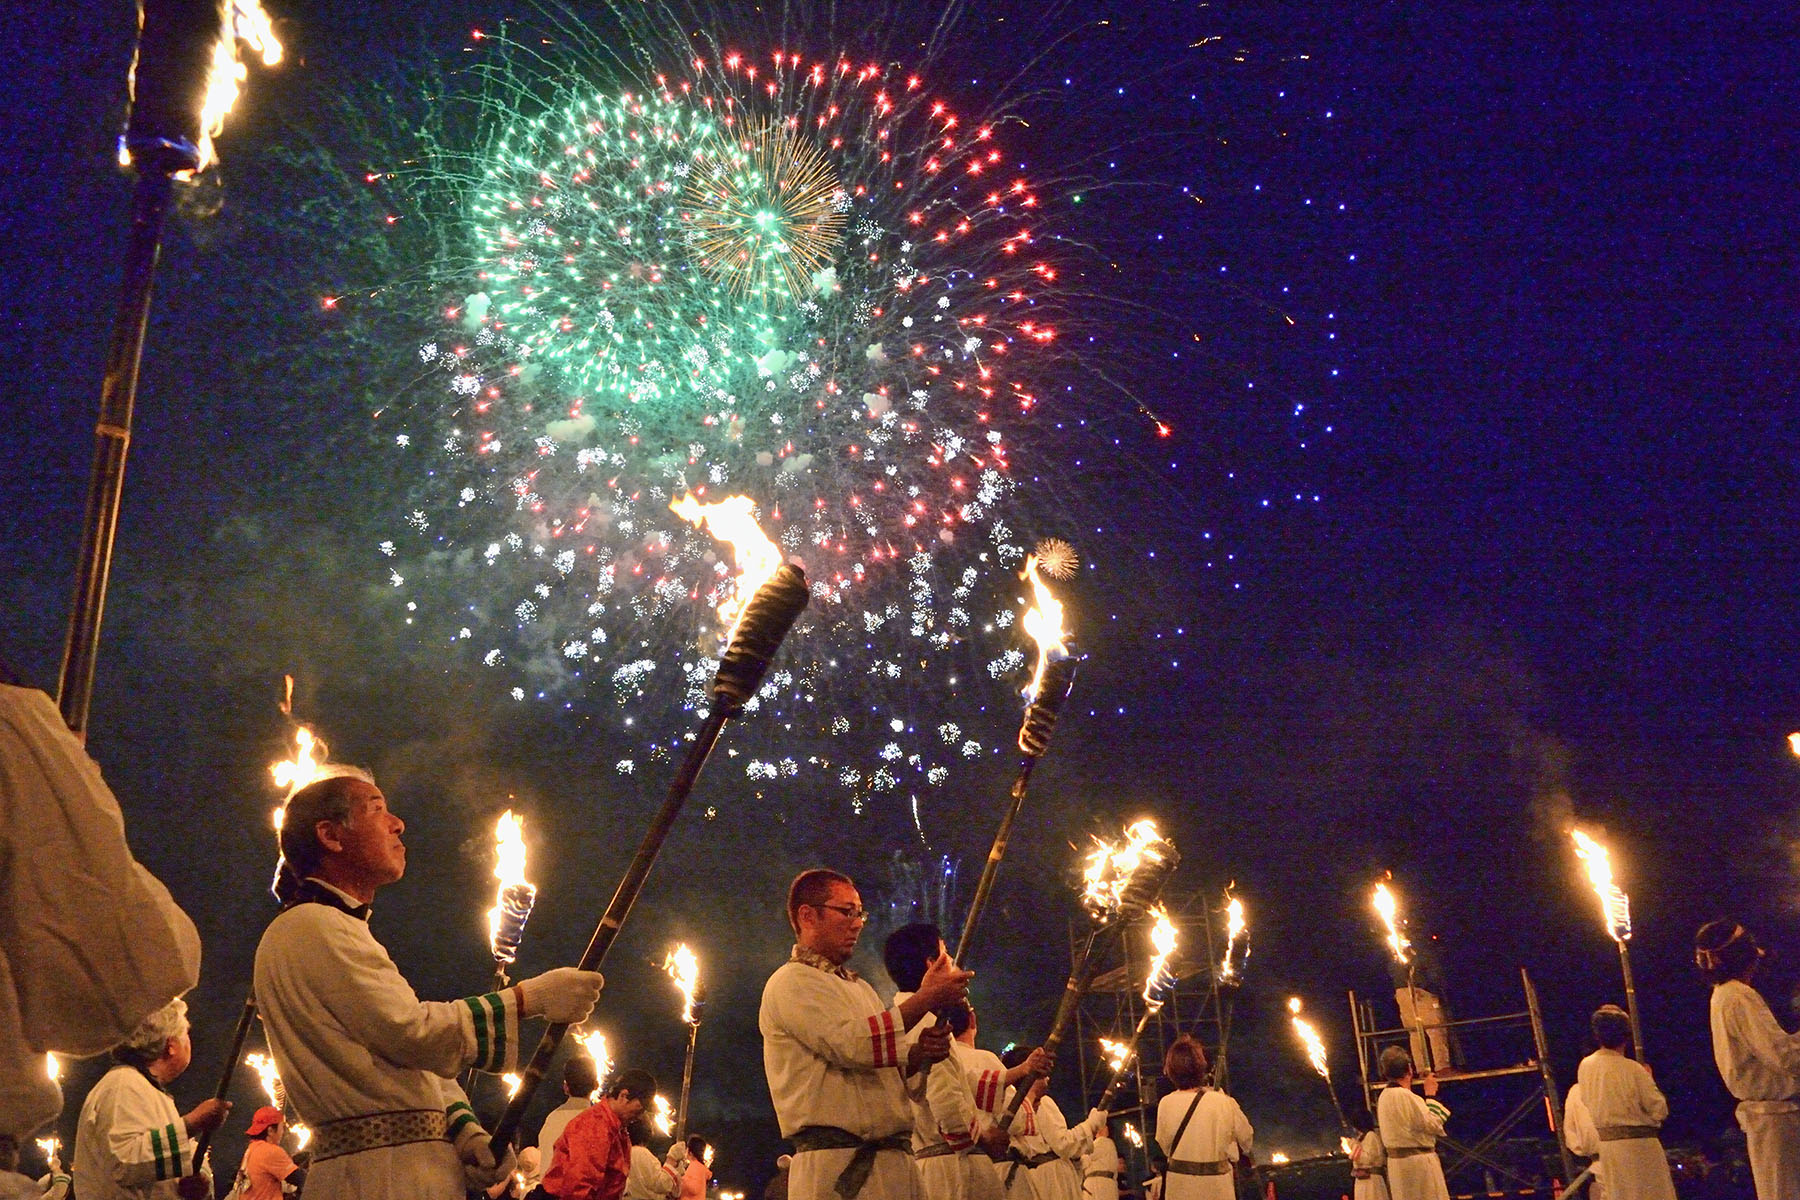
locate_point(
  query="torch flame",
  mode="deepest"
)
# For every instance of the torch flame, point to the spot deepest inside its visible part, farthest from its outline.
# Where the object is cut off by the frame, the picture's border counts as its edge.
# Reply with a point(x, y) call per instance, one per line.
point(1388, 909)
point(684, 969)
point(733, 520)
point(1615, 906)
point(662, 1116)
point(308, 763)
point(1234, 929)
point(509, 869)
point(1043, 621)
point(248, 23)
point(1116, 1054)
point(49, 1147)
point(595, 1044)
point(1111, 863)
point(264, 1066)
point(512, 1083)
point(1133, 1136)
point(1163, 936)
point(52, 1068)
point(1277, 1158)
point(1309, 1038)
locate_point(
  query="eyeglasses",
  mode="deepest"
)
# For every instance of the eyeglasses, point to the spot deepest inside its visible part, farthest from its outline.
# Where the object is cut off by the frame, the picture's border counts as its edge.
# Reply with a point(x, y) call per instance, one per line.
point(855, 912)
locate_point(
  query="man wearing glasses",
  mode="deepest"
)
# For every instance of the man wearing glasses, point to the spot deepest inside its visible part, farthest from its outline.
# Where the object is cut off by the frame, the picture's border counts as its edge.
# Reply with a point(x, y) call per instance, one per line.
point(836, 1057)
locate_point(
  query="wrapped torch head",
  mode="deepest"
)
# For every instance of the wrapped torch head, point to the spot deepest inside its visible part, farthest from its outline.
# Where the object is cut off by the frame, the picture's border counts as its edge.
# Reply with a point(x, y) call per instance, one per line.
point(1041, 713)
point(516, 900)
point(766, 620)
point(1145, 883)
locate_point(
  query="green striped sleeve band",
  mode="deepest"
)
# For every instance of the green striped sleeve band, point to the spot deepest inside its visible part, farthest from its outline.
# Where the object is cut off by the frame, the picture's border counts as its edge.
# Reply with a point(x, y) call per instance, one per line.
point(492, 1045)
point(1443, 1114)
point(165, 1145)
point(457, 1115)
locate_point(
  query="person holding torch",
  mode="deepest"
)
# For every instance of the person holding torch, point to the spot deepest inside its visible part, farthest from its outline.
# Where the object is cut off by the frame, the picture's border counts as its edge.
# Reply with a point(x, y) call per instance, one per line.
point(1201, 1130)
point(1758, 1060)
point(1410, 1128)
point(368, 1065)
point(834, 1056)
point(1628, 1110)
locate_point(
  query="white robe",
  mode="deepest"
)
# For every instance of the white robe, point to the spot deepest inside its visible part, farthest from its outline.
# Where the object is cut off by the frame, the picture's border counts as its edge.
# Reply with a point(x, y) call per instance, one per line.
point(1218, 1132)
point(1760, 1064)
point(649, 1179)
point(833, 1056)
point(90, 942)
point(1100, 1171)
point(1060, 1180)
point(554, 1124)
point(944, 1113)
point(1618, 1092)
point(351, 1039)
point(1370, 1157)
point(1407, 1120)
point(130, 1143)
point(1583, 1139)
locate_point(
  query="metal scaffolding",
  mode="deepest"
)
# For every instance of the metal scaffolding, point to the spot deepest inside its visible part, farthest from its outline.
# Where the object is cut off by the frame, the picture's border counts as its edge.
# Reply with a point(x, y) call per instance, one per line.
point(1500, 1063)
point(1196, 1002)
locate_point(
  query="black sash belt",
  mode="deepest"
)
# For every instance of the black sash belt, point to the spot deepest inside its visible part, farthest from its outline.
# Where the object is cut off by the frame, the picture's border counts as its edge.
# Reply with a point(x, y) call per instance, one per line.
point(856, 1172)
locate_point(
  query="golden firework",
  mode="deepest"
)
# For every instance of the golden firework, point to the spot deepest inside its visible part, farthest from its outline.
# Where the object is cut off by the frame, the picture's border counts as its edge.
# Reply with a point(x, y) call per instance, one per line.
point(765, 212)
point(1058, 558)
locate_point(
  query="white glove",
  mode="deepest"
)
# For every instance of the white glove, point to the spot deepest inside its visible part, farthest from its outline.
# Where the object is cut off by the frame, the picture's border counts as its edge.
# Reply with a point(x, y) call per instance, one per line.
point(1096, 1122)
point(565, 995)
point(480, 1171)
point(676, 1158)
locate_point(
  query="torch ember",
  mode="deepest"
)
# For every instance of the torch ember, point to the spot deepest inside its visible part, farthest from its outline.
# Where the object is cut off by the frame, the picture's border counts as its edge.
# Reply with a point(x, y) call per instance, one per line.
point(514, 897)
point(1615, 907)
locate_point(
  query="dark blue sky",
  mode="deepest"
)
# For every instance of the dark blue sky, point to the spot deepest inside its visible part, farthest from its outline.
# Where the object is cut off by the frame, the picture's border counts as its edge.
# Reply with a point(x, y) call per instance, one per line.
point(1551, 554)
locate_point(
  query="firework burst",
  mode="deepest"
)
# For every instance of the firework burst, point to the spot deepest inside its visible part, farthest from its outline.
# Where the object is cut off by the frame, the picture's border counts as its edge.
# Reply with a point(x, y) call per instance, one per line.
point(800, 279)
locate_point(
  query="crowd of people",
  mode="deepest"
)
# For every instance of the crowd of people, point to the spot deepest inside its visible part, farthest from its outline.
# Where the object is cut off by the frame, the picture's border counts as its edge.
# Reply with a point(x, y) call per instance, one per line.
point(881, 1099)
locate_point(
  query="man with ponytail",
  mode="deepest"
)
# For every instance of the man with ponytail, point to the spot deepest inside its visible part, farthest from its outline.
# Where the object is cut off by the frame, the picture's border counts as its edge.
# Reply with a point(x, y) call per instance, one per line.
point(367, 1064)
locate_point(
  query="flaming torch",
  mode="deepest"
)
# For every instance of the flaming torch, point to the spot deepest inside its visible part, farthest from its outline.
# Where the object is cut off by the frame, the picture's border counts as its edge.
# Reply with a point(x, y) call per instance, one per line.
point(512, 899)
point(1230, 976)
point(184, 76)
point(762, 613)
point(594, 1043)
point(684, 969)
point(1044, 698)
point(1163, 938)
point(264, 1066)
point(1615, 910)
point(1121, 884)
point(662, 1117)
point(1388, 909)
point(1314, 1045)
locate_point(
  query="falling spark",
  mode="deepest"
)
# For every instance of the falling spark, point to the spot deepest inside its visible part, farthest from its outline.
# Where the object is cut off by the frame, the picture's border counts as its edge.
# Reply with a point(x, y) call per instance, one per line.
point(684, 969)
point(1389, 910)
point(1615, 906)
point(1043, 621)
point(733, 520)
point(1234, 929)
point(1163, 937)
point(1111, 863)
point(1309, 1038)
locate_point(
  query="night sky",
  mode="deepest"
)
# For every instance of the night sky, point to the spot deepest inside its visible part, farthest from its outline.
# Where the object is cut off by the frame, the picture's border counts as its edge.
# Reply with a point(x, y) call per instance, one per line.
point(1471, 322)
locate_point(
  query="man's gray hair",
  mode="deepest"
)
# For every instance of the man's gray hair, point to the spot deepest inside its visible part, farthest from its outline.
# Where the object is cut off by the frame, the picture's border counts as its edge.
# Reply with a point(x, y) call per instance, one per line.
point(145, 1044)
point(323, 799)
